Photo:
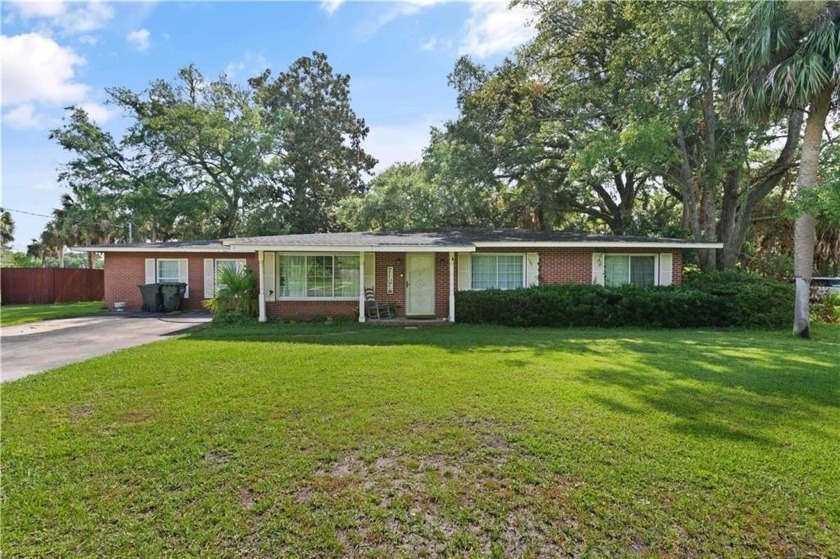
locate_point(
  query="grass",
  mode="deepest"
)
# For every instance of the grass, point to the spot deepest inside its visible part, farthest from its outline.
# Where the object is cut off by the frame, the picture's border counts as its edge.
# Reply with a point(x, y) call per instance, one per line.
point(267, 440)
point(24, 314)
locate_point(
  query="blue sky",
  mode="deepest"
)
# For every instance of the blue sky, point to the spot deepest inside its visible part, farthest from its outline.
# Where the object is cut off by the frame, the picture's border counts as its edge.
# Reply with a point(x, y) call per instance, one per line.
point(398, 56)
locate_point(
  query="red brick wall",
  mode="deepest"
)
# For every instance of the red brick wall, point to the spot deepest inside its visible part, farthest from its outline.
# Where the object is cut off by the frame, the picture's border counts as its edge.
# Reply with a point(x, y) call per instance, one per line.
point(307, 310)
point(397, 298)
point(124, 271)
point(442, 284)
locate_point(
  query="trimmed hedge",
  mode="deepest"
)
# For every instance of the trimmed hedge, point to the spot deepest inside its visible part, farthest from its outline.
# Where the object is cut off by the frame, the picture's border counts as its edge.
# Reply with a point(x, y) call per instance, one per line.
point(707, 300)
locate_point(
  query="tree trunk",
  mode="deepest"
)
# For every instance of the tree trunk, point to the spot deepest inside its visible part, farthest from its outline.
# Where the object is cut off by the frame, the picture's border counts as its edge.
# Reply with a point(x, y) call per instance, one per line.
point(804, 235)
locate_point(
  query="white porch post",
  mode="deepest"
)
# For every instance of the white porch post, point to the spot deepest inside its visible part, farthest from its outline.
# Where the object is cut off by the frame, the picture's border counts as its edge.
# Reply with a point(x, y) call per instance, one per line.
point(261, 258)
point(361, 286)
point(451, 287)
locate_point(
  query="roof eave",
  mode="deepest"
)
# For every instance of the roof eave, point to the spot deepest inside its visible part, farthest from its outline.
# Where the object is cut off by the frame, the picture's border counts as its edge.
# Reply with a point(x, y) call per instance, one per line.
point(350, 248)
point(595, 244)
point(159, 249)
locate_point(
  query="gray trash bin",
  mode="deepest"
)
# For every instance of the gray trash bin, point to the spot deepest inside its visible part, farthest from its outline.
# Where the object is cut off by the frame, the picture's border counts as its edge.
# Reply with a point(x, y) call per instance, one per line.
point(173, 295)
point(152, 297)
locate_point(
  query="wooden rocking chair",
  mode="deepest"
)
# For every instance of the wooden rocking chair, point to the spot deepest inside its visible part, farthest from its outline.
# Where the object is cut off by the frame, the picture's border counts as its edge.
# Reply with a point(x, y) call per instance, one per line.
point(376, 310)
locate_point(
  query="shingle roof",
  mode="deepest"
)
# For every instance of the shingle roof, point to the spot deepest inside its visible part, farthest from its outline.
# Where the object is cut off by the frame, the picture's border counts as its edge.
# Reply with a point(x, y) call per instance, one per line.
point(440, 237)
point(464, 238)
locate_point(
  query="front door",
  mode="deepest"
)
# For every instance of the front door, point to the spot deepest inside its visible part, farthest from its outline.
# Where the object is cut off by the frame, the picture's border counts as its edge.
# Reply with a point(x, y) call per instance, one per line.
point(420, 285)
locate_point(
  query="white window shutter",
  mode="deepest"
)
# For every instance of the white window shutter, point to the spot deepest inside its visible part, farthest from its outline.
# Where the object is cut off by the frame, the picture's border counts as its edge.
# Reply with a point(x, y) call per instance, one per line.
point(598, 268)
point(370, 270)
point(184, 275)
point(270, 273)
point(464, 272)
point(666, 276)
point(151, 270)
point(532, 269)
point(209, 278)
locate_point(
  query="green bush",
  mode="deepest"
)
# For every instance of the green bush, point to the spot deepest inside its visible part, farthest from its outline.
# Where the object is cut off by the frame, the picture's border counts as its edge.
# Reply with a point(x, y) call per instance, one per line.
point(711, 300)
point(236, 298)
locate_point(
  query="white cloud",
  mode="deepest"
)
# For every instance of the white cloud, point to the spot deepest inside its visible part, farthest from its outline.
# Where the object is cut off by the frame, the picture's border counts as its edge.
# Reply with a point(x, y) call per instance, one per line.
point(429, 45)
point(139, 40)
point(71, 17)
point(492, 28)
point(89, 40)
point(23, 116)
point(248, 66)
point(28, 10)
point(330, 6)
point(36, 68)
point(397, 10)
point(99, 113)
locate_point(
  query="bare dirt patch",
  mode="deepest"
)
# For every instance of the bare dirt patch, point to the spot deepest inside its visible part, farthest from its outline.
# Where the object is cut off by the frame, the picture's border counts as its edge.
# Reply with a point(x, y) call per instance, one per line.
point(247, 498)
point(216, 458)
point(440, 503)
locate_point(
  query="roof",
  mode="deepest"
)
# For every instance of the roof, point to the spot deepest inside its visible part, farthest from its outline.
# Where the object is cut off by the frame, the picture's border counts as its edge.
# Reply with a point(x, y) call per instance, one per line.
point(444, 240)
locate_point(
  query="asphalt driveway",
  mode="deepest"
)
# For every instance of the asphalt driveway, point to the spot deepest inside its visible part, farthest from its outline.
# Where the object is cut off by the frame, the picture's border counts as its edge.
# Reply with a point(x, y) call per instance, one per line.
point(31, 348)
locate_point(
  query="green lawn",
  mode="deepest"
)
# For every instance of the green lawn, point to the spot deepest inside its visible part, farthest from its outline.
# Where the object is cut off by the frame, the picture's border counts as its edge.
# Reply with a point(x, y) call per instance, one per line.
point(271, 441)
point(23, 314)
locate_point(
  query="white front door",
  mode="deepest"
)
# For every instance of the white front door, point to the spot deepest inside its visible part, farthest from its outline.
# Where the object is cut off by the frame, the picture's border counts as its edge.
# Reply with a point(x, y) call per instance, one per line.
point(420, 285)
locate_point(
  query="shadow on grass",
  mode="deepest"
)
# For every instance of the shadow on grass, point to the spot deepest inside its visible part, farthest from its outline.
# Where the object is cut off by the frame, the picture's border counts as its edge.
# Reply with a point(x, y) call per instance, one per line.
point(731, 385)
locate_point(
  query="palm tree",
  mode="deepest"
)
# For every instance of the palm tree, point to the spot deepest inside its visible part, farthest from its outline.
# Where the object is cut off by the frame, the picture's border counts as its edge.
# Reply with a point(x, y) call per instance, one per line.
point(789, 57)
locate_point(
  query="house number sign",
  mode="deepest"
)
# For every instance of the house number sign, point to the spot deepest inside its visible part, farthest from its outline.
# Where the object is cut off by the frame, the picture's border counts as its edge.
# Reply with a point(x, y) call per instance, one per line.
point(390, 282)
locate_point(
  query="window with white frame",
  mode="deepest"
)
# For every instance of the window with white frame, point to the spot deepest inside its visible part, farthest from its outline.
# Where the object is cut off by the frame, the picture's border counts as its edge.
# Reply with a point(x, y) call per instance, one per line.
point(632, 269)
point(497, 271)
point(168, 271)
point(318, 276)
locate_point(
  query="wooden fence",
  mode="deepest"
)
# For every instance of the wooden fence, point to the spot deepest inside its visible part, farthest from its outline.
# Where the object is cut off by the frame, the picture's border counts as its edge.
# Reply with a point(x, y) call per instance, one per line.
point(50, 285)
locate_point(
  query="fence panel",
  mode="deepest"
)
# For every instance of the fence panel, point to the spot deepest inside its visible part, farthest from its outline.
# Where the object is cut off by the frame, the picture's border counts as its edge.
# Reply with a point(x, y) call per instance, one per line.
point(50, 285)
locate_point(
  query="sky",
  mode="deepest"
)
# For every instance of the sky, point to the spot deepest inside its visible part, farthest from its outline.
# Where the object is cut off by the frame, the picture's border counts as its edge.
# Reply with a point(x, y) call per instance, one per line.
point(398, 55)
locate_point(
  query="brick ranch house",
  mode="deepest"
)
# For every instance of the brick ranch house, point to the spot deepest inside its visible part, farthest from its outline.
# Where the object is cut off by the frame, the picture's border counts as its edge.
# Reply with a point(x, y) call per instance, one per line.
point(326, 274)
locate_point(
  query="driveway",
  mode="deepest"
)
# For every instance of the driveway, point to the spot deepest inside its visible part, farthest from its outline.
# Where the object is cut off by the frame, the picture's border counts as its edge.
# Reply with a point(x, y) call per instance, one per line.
point(32, 348)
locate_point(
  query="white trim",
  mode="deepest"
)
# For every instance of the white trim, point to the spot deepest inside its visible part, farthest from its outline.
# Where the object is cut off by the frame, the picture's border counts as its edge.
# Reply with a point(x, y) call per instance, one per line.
point(270, 275)
point(598, 268)
point(354, 248)
point(592, 244)
point(152, 248)
point(362, 300)
point(261, 276)
point(451, 287)
point(666, 268)
point(315, 299)
point(464, 272)
point(209, 278)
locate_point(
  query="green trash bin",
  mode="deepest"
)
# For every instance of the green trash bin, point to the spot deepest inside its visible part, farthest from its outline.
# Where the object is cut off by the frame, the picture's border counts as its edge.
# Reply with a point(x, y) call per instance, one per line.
point(173, 295)
point(152, 297)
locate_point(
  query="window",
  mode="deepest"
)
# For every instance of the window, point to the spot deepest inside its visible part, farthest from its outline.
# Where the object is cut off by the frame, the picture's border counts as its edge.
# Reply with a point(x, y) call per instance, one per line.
point(319, 276)
point(231, 264)
point(623, 269)
point(167, 271)
point(497, 271)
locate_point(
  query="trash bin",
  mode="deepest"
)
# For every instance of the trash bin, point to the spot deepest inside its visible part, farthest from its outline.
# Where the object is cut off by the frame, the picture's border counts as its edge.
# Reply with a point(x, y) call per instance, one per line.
point(152, 297)
point(173, 295)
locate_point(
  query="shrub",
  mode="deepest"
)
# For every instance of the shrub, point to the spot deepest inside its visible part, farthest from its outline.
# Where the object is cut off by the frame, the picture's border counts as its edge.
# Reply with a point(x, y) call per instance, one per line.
point(236, 297)
point(710, 301)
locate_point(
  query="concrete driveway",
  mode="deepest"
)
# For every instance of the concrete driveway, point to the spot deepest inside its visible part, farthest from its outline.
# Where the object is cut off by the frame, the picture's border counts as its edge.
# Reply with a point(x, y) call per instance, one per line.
point(32, 348)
